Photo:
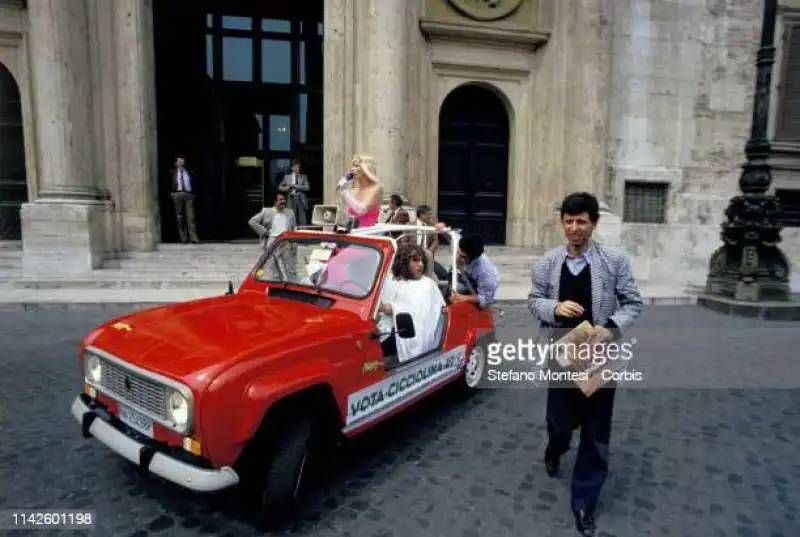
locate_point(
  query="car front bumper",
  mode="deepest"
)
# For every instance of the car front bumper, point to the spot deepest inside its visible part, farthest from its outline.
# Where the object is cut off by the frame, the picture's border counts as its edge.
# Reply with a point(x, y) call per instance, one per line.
point(149, 457)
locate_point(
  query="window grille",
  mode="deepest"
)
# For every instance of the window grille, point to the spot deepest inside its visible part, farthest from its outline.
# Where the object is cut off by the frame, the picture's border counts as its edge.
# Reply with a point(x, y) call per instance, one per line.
point(645, 202)
point(787, 128)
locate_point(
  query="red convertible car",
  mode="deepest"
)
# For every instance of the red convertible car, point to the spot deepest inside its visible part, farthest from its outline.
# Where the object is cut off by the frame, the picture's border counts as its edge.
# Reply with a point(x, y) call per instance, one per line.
point(235, 390)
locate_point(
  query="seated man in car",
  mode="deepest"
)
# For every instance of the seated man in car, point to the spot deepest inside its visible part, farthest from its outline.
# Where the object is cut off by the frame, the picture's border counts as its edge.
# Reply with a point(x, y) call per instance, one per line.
point(410, 291)
point(479, 271)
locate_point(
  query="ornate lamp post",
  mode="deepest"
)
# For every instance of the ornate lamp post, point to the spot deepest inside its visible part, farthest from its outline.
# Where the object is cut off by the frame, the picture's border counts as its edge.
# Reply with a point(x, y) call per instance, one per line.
point(749, 266)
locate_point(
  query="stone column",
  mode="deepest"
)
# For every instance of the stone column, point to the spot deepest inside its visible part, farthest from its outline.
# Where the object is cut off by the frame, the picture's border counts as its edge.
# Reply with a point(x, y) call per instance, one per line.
point(589, 82)
point(337, 93)
point(385, 91)
point(63, 228)
point(134, 66)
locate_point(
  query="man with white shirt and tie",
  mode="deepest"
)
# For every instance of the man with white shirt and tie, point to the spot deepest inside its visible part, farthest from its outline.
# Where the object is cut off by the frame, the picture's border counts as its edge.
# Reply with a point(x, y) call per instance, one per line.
point(183, 197)
point(295, 185)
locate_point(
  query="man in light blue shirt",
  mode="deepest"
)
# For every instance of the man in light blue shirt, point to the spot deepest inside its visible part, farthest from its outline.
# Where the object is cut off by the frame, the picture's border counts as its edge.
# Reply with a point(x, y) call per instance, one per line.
point(481, 272)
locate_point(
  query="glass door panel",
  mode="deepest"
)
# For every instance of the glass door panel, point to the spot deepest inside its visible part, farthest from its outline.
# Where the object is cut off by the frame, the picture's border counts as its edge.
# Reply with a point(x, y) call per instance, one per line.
point(280, 133)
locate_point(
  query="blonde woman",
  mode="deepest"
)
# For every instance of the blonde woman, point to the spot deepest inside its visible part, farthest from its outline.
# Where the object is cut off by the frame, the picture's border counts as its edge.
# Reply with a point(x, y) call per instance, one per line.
point(361, 191)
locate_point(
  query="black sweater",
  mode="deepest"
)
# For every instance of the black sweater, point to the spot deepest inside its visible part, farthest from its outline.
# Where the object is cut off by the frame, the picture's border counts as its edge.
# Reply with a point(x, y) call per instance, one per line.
point(576, 289)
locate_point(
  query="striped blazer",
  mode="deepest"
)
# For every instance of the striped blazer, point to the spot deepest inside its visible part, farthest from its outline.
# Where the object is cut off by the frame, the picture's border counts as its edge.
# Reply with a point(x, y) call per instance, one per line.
point(615, 293)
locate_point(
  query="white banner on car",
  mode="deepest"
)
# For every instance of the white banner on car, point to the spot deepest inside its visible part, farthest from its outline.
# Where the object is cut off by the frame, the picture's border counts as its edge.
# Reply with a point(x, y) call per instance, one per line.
point(401, 385)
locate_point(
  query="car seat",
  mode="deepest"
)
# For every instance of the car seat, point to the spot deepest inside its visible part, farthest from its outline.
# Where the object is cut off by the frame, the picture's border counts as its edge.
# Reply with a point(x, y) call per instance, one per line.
point(429, 272)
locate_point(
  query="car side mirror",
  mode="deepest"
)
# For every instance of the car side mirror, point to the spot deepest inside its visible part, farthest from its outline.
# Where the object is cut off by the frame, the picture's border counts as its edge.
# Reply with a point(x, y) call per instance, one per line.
point(405, 325)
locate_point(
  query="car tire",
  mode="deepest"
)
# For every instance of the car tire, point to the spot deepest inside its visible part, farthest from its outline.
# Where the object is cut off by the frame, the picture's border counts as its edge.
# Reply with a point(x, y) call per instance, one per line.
point(475, 368)
point(284, 474)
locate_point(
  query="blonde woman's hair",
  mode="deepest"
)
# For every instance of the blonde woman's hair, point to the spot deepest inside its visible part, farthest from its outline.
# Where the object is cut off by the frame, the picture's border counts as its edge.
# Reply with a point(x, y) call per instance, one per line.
point(367, 164)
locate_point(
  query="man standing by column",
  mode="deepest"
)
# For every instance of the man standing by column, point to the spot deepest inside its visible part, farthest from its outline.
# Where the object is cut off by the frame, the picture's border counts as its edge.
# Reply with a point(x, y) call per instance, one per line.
point(183, 197)
point(582, 281)
point(295, 186)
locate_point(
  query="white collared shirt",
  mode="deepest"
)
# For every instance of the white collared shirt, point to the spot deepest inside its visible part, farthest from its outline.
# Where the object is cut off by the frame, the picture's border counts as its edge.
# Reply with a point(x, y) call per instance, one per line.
point(184, 181)
point(576, 263)
point(280, 223)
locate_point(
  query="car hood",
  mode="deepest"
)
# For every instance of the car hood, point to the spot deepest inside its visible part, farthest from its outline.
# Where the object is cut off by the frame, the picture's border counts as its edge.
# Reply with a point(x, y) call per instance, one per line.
point(193, 342)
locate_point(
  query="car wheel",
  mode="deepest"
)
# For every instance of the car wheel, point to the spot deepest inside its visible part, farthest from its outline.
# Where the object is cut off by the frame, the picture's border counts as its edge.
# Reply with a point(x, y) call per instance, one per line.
point(284, 474)
point(475, 367)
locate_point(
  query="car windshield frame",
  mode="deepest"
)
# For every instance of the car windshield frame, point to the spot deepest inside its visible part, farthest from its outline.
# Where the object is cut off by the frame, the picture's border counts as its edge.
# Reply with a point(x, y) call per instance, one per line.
point(317, 242)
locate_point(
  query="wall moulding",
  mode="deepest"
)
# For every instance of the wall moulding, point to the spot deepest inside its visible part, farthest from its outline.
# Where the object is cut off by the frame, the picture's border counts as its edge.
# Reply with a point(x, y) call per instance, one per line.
point(509, 37)
point(478, 72)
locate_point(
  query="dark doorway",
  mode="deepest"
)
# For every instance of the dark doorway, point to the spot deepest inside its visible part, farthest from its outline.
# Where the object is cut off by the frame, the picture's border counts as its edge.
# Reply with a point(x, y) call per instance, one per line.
point(473, 162)
point(239, 93)
point(13, 178)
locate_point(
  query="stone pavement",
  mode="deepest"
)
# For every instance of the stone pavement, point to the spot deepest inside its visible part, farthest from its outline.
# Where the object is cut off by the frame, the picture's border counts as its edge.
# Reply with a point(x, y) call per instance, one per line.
point(686, 462)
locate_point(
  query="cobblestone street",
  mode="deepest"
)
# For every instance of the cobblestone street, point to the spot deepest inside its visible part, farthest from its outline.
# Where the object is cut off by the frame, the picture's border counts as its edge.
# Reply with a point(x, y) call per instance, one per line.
point(700, 454)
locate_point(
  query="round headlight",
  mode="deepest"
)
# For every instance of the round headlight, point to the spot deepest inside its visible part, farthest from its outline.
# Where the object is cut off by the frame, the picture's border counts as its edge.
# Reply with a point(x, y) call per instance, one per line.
point(93, 368)
point(178, 409)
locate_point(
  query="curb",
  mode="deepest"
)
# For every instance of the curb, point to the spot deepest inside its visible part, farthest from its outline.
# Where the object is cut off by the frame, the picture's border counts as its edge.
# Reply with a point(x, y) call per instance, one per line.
point(25, 306)
point(686, 300)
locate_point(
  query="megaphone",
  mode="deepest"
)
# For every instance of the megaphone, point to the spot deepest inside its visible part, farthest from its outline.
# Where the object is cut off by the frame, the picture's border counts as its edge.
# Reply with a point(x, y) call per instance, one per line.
point(331, 218)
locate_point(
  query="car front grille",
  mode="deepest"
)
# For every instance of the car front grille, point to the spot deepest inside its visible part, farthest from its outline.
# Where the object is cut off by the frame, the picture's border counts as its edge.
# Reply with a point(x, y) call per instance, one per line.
point(134, 389)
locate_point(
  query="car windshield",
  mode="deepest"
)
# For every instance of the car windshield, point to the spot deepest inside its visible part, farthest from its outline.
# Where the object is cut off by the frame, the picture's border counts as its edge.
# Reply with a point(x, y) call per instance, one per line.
point(337, 266)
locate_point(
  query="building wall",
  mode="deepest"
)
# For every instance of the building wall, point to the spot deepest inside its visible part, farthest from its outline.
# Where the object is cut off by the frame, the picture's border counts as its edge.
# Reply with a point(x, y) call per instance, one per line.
point(599, 92)
point(683, 79)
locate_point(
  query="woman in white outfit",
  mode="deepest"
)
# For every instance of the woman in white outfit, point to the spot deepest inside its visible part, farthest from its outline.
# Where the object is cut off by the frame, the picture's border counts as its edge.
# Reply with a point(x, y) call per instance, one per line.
point(410, 291)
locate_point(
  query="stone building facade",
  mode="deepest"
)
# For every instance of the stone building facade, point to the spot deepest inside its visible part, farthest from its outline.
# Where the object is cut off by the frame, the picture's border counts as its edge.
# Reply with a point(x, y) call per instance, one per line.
point(646, 103)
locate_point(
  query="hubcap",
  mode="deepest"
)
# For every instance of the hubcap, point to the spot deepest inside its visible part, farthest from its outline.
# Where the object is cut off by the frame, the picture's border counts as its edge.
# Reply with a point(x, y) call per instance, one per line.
point(474, 369)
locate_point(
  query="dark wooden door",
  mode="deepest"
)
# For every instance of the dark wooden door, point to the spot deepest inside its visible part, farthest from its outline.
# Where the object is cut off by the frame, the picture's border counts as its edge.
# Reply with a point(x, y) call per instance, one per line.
point(13, 178)
point(473, 163)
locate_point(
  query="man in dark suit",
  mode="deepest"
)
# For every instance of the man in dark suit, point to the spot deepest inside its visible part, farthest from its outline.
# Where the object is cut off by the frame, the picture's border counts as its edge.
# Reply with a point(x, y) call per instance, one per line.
point(182, 192)
point(295, 185)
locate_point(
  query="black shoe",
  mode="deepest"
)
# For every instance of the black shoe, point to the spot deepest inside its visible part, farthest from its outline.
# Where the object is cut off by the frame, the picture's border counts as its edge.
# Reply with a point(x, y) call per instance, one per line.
point(584, 522)
point(551, 465)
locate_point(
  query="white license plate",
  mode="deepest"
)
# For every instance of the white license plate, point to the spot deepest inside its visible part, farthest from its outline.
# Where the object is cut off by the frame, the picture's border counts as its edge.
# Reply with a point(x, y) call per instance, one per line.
point(135, 420)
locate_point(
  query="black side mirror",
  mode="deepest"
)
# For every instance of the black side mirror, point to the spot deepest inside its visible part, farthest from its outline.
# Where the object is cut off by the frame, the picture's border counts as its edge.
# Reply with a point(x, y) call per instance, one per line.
point(405, 325)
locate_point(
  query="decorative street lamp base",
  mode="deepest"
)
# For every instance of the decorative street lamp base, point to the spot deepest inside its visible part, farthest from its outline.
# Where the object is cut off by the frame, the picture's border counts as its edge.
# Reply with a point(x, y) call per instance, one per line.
point(748, 291)
point(767, 311)
point(753, 273)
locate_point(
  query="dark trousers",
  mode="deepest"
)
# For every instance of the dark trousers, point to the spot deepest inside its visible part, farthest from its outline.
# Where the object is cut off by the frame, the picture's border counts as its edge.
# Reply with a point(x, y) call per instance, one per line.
point(567, 410)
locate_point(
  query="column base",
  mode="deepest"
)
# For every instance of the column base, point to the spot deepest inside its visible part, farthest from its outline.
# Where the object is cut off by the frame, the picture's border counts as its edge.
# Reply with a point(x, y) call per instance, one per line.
point(64, 238)
point(140, 232)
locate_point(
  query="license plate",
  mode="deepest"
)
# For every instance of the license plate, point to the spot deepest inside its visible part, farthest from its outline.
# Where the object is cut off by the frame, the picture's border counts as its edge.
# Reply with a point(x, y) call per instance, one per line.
point(136, 421)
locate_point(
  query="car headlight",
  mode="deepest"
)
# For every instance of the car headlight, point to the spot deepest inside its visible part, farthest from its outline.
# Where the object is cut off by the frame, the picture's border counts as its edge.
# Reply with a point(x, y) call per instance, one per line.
point(178, 409)
point(92, 368)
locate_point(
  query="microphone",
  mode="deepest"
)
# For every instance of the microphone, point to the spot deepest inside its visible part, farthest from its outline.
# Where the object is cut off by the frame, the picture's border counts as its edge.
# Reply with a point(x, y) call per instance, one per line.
point(346, 180)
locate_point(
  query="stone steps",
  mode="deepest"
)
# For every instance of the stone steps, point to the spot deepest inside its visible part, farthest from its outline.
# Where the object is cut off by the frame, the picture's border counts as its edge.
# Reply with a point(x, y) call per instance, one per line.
point(10, 260)
point(178, 272)
point(203, 267)
point(80, 299)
